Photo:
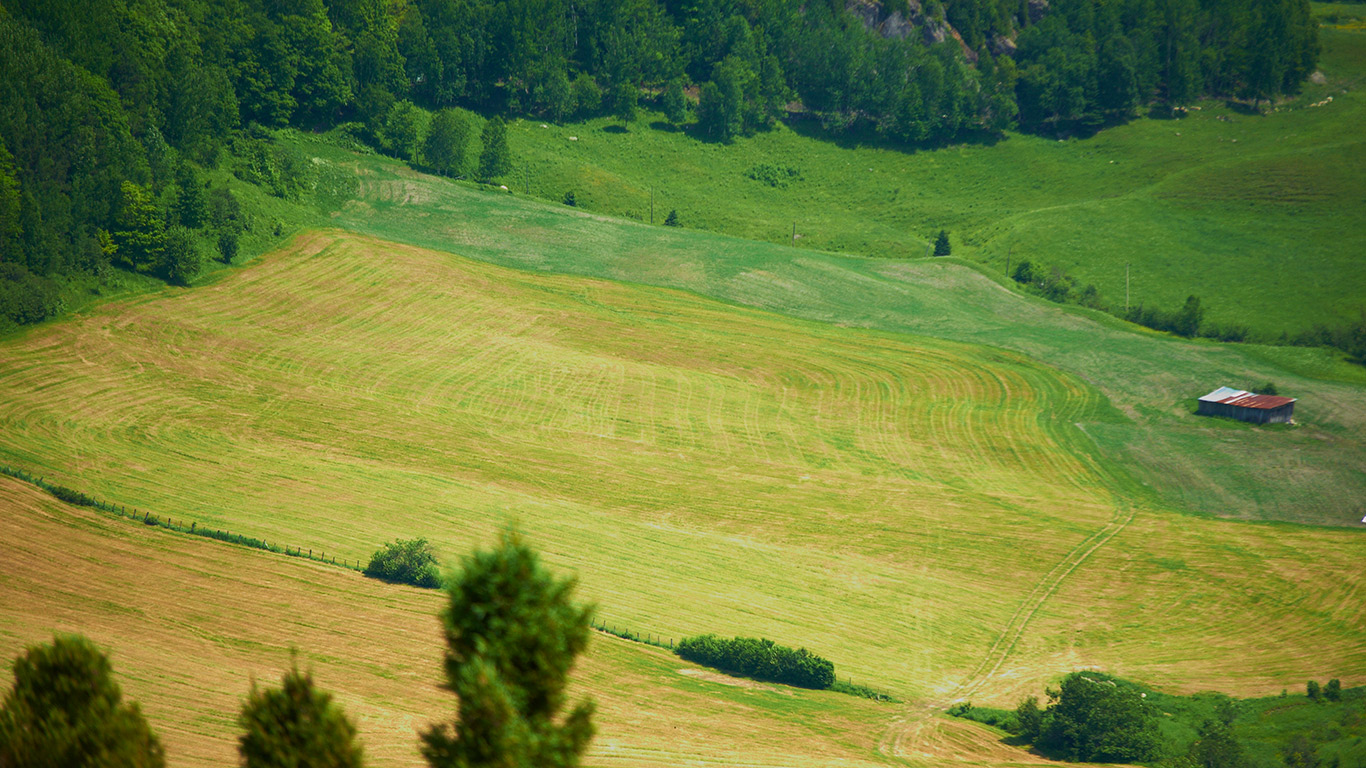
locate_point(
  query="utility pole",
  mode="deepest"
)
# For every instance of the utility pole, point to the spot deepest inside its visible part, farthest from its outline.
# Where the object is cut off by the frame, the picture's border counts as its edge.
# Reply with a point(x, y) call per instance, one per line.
point(1126, 289)
point(526, 177)
point(794, 232)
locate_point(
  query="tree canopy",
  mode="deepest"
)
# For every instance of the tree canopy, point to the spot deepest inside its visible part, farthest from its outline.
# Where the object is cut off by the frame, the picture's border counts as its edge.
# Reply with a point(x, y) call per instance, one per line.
point(512, 634)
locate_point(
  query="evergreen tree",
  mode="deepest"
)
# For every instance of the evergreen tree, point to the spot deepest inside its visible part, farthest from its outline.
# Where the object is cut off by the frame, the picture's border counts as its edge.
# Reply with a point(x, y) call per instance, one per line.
point(672, 219)
point(675, 102)
point(495, 160)
point(941, 244)
point(295, 726)
point(140, 236)
point(1029, 718)
point(512, 633)
point(448, 140)
point(1314, 691)
point(191, 208)
point(181, 260)
point(66, 711)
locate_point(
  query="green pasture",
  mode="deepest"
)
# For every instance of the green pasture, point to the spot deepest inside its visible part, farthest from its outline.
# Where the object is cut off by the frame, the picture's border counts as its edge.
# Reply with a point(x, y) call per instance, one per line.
point(1310, 473)
point(1258, 214)
point(922, 512)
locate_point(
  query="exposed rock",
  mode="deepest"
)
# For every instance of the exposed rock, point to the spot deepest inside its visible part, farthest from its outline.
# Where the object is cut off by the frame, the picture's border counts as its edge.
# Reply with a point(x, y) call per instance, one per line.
point(1037, 10)
point(893, 24)
point(1002, 46)
point(1317, 78)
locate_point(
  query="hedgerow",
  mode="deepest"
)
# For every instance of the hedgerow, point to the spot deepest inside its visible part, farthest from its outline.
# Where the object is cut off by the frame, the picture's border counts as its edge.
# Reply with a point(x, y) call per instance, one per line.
point(759, 659)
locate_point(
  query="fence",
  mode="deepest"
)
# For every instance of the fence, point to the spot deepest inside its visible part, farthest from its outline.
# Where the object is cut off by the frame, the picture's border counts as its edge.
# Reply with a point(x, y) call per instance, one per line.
point(84, 500)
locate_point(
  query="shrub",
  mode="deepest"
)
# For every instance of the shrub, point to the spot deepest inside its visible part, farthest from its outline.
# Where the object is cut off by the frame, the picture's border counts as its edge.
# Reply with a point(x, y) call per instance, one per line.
point(1314, 691)
point(1094, 719)
point(1333, 691)
point(759, 659)
point(672, 219)
point(569, 199)
point(777, 176)
point(65, 709)
point(405, 562)
point(295, 725)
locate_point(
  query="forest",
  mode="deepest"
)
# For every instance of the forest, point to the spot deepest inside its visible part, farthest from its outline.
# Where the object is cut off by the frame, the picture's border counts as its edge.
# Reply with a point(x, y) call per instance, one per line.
point(111, 109)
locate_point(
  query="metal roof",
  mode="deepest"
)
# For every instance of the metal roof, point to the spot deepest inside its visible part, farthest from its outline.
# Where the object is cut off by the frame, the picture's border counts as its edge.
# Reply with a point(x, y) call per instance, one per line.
point(1244, 399)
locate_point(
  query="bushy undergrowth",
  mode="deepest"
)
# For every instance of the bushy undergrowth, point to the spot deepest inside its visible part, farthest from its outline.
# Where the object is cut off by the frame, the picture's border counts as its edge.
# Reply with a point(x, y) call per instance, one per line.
point(402, 561)
point(759, 659)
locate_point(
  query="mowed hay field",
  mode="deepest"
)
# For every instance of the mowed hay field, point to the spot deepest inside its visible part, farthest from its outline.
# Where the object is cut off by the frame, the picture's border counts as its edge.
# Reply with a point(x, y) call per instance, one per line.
point(189, 622)
point(925, 513)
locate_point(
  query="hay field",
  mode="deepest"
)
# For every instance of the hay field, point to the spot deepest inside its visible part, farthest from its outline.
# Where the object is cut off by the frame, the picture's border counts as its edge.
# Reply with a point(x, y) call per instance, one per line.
point(189, 622)
point(927, 514)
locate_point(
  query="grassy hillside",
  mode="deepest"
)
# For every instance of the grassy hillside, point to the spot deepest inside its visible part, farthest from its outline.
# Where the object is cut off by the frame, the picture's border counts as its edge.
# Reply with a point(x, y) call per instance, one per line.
point(1311, 473)
point(188, 623)
point(924, 513)
point(1257, 214)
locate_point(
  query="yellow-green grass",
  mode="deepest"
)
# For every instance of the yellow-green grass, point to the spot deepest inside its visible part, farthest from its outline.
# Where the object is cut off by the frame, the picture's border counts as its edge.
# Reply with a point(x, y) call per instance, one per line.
point(189, 623)
point(926, 513)
point(1308, 474)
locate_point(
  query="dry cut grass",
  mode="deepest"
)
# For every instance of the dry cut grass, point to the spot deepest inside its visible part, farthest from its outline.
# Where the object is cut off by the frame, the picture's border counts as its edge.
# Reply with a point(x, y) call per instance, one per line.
point(925, 513)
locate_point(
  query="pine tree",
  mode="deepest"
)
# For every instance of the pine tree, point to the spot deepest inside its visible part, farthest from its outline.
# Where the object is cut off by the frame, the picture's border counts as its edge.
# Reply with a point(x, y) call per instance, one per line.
point(672, 219)
point(295, 726)
point(941, 244)
point(66, 710)
point(512, 633)
point(495, 160)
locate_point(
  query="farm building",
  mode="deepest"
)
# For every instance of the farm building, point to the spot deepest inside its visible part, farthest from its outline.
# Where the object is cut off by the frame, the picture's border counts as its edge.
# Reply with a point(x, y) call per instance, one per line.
point(1247, 406)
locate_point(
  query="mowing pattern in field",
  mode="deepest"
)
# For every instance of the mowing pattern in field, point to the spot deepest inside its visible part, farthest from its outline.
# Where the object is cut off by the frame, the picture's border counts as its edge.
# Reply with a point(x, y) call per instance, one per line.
point(910, 508)
point(189, 623)
point(703, 468)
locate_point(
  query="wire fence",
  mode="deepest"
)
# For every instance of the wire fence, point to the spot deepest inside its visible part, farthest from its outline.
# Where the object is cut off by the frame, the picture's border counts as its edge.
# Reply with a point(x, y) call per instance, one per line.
point(178, 525)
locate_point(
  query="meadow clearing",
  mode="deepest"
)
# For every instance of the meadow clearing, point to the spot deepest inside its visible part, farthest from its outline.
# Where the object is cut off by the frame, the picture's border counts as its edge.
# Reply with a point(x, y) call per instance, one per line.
point(932, 516)
point(1258, 214)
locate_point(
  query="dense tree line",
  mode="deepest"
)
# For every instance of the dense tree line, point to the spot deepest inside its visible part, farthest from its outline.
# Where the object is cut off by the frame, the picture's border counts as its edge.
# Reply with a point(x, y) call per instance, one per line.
point(111, 108)
point(759, 659)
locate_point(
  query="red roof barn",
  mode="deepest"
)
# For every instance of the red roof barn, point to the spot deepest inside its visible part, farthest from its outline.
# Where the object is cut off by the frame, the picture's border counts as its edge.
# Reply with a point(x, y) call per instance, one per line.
point(1247, 406)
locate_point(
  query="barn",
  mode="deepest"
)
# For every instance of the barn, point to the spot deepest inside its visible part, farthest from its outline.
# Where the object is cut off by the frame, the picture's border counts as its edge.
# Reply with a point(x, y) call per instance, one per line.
point(1247, 406)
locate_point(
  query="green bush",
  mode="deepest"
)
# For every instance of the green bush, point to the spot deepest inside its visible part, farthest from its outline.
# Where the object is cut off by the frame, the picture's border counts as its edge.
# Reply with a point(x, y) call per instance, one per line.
point(777, 176)
point(66, 710)
point(759, 659)
point(405, 562)
point(295, 725)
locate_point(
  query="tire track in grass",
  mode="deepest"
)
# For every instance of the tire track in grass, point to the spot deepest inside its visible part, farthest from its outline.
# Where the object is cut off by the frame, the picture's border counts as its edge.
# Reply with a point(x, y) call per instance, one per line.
point(910, 726)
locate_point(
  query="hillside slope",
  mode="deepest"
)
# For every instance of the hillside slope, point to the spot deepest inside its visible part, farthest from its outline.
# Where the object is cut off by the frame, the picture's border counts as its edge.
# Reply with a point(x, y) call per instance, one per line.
point(925, 513)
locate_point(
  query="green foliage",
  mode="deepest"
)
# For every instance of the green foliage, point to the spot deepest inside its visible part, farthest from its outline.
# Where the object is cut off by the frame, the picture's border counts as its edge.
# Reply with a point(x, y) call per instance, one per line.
point(1332, 691)
point(623, 98)
point(672, 219)
point(182, 261)
point(448, 141)
point(191, 207)
point(1314, 691)
point(774, 175)
point(496, 159)
point(586, 96)
point(941, 244)
point(569, 199)
point(1217, 747)
point(759, 659)
point(674, 102)
point(553, 95)
point(403, 130)
point(227, 246)
point(26, 297)
point(295, 726)
point(66, 711)
point(1093, 718)
point(1029, 718)
point(1301, 753)
point(1024, 273)
point(409, 561)
point(512, 634)
point(140, 236)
